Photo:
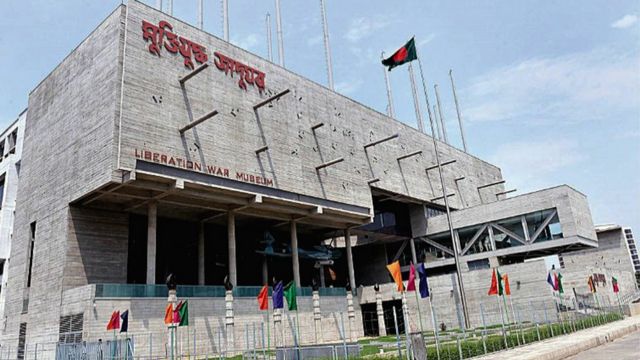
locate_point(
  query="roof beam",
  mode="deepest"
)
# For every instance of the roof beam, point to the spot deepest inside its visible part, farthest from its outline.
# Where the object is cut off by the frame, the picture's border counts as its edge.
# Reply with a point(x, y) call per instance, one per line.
point(274, 97)
point(198, 121)
point(380, 141)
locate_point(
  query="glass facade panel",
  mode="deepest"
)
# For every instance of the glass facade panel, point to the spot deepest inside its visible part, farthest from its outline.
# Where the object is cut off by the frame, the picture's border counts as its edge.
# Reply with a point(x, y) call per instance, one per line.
point(552, 231)
point(482, 244)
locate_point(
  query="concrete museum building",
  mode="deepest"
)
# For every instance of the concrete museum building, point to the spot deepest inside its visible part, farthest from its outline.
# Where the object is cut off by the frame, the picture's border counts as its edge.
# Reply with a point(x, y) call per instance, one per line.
point(157, 148)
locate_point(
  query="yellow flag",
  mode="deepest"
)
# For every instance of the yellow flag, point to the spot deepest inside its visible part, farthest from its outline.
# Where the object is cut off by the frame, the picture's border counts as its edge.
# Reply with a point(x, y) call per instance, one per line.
point(394, 269)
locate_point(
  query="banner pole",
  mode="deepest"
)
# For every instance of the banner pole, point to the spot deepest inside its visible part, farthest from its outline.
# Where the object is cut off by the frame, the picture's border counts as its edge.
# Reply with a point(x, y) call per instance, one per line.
point(454, 241)
point(435, 327)
point(504, 331)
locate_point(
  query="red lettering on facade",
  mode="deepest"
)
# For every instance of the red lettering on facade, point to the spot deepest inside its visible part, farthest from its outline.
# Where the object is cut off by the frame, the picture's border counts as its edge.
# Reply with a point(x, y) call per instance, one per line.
point(246, 74)
point(173, 43)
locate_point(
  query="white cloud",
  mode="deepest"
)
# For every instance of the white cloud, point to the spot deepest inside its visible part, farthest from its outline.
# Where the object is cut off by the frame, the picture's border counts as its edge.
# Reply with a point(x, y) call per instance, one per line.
point(248, 42)
point(348, 87)
point(594, 85)
point(314, 40)
point(625, 21)
point(362, 27)
point(527, 163)
point(427, 39)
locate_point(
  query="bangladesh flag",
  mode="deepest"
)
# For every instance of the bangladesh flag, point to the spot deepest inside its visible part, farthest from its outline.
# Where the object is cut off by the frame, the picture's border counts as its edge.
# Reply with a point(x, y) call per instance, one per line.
point(290, 295)
point(614, 283)
point(405, 54)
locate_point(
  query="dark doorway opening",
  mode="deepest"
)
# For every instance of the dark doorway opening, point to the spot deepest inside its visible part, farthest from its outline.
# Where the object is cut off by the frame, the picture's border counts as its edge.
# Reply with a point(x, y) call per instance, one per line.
point(370, 320)
point(389, 323)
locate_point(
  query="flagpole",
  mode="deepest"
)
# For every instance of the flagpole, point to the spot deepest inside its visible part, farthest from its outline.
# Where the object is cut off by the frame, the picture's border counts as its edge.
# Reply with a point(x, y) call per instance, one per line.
point(416, 102)
point(504, 331)
point(268, 333)
point(463, 297)
point(390, 112)
point(435, 328)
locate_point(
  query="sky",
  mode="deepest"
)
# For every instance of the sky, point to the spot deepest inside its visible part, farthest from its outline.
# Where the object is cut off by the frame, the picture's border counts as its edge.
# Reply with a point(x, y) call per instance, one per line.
point(549, 91)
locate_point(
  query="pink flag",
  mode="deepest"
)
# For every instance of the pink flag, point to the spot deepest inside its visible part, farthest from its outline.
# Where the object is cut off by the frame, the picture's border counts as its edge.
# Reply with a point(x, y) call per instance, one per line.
point(411, 285)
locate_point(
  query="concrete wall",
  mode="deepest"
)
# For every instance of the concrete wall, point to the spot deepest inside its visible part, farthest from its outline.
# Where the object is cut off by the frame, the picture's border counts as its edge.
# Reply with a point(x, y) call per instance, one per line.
point(610, 258)
point(572, 206)
point(230, 139)
point(206, 320)
point(529, 297)
point(68, 150)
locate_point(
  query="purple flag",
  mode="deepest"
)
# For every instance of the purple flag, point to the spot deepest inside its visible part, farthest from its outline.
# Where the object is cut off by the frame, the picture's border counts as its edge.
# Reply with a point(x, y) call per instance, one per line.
point(424, 285)
point(277, 296)
point(550, 281)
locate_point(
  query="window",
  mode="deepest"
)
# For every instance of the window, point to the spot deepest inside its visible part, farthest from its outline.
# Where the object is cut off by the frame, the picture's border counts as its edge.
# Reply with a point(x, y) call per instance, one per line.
point(22, 337)
point(482, 242)
point(479, 264)
point(1, 191)
point(13, 140)
point(1, 149)
point(71, 329)
point(31, 246)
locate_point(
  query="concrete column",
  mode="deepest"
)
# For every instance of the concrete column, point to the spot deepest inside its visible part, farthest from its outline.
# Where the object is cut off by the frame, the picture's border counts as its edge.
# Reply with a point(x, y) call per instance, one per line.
point(405, 313)
point(347, 241)
point(414, 256)
point(317, 316)
point(152, 224)
point(351, 313)
point(229, 320)
point(277, 322)
point(382, 329)
point(231, 238)
point(201, 261)
point(322, 281)
point(265, 270)
point(294, 254)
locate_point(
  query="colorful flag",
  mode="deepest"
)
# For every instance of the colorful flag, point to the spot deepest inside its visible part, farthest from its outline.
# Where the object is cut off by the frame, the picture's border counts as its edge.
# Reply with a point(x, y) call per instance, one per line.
point(556, 282)
point(403, 55)
point(411, 285)
point(176, 313)
point(424, 285)
point(507, 288)
point(559, 284)
point(183, 309)
point(263, 298)
point(114, 322)
point(277, 296)
point(550, 280)
point(614, 283)
point(125, 321)
point(496, 284)
point(592, 284)
point(168, 315)
point(290, 295)
point(396, 274)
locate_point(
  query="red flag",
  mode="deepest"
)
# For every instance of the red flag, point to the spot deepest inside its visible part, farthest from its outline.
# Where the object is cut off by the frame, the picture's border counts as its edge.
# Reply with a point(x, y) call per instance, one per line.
point(507, 289)
point(168, 315)
point(493, 290)
point(411, 285)
point(263, 298)
point(555, 282)
point(114, 322)
point(176, 313)
point(614, 282)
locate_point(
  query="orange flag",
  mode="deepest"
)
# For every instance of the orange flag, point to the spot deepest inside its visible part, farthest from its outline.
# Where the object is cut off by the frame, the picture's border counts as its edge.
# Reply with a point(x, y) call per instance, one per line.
point(114, 322)
point(263, 298)
point(396, 274)
point(168, 315)
point(507, 289)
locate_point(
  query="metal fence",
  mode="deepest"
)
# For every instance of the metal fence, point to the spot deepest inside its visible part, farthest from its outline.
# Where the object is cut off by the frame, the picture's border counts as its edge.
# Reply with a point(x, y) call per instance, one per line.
point(496, 326)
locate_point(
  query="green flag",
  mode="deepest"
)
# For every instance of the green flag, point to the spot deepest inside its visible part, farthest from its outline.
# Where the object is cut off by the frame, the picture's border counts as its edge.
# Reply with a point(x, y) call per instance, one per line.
point(184, 313)
point(500, 289)
point(560, 289)
point(405, 54)
point(290, 295)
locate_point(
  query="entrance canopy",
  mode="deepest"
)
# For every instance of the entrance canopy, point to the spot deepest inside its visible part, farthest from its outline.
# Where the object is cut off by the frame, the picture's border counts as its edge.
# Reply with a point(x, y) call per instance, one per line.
point(196, 196)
